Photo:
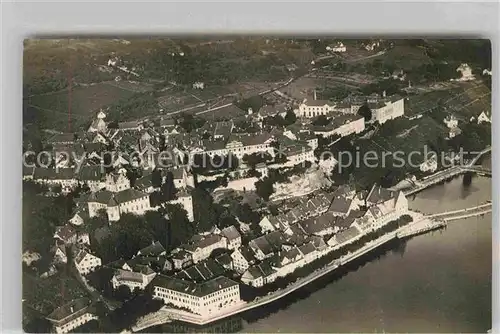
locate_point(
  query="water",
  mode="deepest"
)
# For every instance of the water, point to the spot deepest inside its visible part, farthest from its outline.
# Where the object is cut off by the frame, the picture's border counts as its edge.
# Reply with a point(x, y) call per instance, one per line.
point(437, 282)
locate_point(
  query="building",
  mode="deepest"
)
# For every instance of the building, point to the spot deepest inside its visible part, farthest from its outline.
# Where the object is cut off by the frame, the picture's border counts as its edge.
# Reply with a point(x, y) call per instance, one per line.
point(342, 125)
point(296, 154)
point(93, 176)
point(386, 109)
point(116, 204)
point(154, 250)
point(233, 237)
point(314, 108)
point(451, 121)
point(63, 177)
point(201, 246)
point(116, 182)
point(72, 315)
point(67, 234)
point(205, 299)
point(260, 274)
point(133, 274)
point(484, 118)
point(98, 125)
point(337, 47)
point(181, 259)
point(344, 237)
point(86, 263)
point(242, 259)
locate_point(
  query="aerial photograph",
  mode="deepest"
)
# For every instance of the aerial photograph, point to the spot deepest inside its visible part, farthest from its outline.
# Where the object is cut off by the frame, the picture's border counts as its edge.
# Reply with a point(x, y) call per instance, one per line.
point(256, 184)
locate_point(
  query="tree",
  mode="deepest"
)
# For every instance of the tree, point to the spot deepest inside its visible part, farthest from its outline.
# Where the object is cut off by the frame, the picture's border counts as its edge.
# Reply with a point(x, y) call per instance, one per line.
point(290, 118)
point(264, 188)
point(321, 120)
point(168, 191)
point(365, 111)
point(156, 178)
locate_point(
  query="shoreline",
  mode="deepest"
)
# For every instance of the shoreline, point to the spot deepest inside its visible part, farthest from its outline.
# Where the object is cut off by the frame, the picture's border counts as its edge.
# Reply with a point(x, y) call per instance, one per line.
point(168, 314)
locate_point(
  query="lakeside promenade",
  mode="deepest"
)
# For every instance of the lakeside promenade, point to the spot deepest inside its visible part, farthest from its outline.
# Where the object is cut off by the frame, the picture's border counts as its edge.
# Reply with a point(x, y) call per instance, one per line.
point(170, 314)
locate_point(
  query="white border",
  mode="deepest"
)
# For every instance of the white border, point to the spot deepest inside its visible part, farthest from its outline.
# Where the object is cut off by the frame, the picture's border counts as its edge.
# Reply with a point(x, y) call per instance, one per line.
point(29, 19)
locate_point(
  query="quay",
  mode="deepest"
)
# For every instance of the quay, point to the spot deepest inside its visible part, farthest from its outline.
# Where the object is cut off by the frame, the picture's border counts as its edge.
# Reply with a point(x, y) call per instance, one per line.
point(169, 314)
point(421, 224)
point(450, 173)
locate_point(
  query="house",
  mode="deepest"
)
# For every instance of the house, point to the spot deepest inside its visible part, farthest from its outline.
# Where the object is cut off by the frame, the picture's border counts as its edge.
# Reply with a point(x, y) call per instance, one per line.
point(115, 204)
point(130, 126)
point(337, 47)
point(454, 132)
point(295, 154)
point(181, 259)
point(201, 246)
point(93, 176)
point(344, 237)
point(260, 274)
point(116, 182)
point(63, 177)
point(233, 237)
point(29, 257)
point(81, 215)
point(98, 125)
point(314, 108)
point(484, 118)
point(308, 137)
point(60, 253)
point(451, 121)
point(466, 73)
point(342, 125)
point(133, 275)
point(86, 263)
point(67, 234)
point(429, 165)
point(320, 226)
point(261, 247)
point(154, 250)
point(386, 109)
point(241, 144)
point(72, 315)
point(242, 259)
point(207, 298)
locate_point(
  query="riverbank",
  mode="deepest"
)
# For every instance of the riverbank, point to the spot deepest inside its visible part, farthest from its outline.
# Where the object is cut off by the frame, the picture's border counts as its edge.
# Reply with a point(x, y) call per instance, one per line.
point(169, 314)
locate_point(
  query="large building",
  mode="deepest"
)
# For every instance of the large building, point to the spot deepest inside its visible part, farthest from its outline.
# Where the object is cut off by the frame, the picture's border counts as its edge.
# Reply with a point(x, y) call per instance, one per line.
point(72, 315)
point(205, 299)
point(386, 109)
point(116, 204)
point(342, 125)
point(314, 108)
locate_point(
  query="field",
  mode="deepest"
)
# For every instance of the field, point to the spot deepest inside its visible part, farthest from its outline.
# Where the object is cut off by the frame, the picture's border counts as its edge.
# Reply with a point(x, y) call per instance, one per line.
point(52, 109)
point(465, 100)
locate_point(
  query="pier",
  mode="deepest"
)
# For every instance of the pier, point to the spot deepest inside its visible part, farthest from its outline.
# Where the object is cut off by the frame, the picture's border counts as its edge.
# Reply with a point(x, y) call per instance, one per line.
point(450, 173)
point(421, 224)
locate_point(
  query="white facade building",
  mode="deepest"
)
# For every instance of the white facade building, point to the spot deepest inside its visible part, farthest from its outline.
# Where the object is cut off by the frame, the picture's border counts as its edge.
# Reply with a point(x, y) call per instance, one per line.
point(86, 263)
point(314, 108)
point(72, 315)
point(205, 299)
point(387, 109)
point(202, 246)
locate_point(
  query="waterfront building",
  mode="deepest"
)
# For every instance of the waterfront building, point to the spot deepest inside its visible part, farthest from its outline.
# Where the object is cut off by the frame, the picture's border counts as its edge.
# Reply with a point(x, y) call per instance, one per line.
point(242, 259)
point(205, 299)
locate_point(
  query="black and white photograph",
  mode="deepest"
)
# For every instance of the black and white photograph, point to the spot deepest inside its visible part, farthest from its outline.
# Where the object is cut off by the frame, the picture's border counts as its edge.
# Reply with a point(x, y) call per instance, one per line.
point(256, 184)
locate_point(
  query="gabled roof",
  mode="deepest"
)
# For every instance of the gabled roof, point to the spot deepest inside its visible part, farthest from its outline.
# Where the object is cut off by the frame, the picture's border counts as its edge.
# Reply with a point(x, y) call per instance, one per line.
point(65, 232)
point(231, 233)
point(346, 235)
point(379, 195)
point(69, 311)
point(90, 173)
point(200, 242)
point(317, 103)
point(155, 249)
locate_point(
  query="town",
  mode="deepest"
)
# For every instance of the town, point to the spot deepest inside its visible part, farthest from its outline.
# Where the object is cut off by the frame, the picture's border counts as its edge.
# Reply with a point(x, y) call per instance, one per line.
point(198, 214)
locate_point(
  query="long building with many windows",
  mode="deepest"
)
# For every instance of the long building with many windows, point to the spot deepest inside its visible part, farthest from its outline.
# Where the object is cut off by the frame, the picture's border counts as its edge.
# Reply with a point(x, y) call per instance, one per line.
point(207, 298)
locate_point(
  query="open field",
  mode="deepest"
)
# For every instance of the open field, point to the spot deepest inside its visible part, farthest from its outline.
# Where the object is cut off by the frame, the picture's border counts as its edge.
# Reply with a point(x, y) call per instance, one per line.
point(52, 110)
point(465, 100)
